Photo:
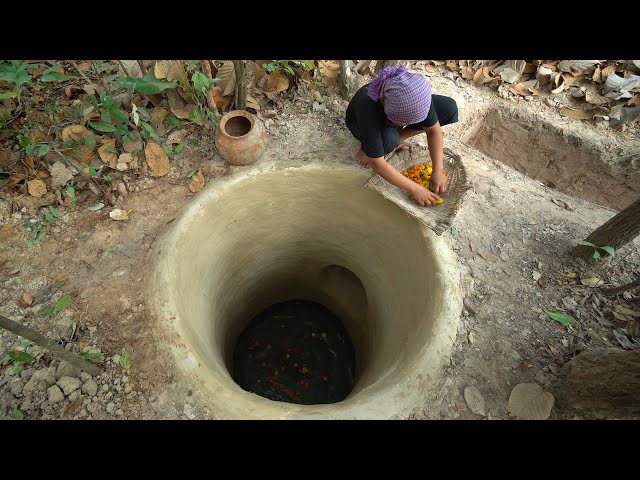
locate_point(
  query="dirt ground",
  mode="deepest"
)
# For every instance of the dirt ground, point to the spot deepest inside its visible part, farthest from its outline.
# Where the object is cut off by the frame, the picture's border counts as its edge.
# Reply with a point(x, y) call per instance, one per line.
point(512, 238)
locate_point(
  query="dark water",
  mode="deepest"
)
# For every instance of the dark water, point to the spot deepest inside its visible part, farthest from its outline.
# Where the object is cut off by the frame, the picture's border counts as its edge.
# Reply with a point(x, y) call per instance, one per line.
point(298, 352)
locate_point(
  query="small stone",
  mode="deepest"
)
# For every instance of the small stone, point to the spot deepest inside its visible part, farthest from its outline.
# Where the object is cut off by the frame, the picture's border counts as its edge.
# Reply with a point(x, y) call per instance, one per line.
point(69, 384)
point(90, 387)
point(67, 370)
point(82, 413)
point(93, 407)
point(105, 387)
point(125, 379)
point(85, 377)
point(111, 407)
point(54, 394)
point(16, 388)
point(128, 389)
point(565, 343)
point(39, 381)
point(74, 396)
point(472, 338)
point(109, 395)
point(475, 401)
point(119, 413)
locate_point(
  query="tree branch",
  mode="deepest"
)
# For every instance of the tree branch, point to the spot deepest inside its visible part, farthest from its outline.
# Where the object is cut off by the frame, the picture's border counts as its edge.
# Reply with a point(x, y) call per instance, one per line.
point(44, 342)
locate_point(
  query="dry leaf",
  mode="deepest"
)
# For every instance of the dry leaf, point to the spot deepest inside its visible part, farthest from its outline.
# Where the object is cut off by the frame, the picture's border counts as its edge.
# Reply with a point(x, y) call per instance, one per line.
point(82, 154)
point(276, 82)
point(452, 65)
point(109, 158)
point(220, 100)
point(227, 75)
point(76, 133)
point(157, 160)
point(36, 188)
point(634, 102)
point(118, 214)
point(467, 72)
point(606, 71)
point(438, 62)
point(25, 300)
point(528, 401)
point(592, 97)
point(576, 66)
point(60, 174)
point(507, 74)
point(253, 103)
point(590, 281)
point(478, 77)
point(543, 75)
point(176, 136)
point(329, 70)
point(577, 114)
point(132, 66)
point(130, 146)
point(183, 113)
point(172, 70)
point(626, 311)
point(517, 65)
point(174, 99)
point(156, 118)
point(597, 75)
point(197, 182)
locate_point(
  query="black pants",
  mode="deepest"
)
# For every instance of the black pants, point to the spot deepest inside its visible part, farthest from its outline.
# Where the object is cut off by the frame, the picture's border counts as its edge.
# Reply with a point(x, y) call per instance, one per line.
point(446, 109)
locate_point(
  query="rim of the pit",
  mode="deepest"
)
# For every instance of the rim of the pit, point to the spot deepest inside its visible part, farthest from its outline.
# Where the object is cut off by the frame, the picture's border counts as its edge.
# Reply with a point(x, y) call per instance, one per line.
point(234, 114)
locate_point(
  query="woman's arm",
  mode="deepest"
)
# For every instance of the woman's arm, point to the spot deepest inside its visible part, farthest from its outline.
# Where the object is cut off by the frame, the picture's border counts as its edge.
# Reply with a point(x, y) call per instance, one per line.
point(421, 195)
point(438, 183)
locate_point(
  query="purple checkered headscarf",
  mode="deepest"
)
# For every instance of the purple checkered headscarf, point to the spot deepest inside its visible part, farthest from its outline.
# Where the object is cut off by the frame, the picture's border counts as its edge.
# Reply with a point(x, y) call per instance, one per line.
point(406, 96)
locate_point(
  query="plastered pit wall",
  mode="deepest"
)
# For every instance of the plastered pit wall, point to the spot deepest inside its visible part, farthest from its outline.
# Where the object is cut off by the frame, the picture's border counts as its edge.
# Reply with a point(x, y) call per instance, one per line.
point(265, 235)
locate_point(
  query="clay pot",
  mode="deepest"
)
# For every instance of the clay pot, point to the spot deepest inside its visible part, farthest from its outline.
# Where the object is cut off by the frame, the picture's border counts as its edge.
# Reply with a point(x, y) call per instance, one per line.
point(240, 137)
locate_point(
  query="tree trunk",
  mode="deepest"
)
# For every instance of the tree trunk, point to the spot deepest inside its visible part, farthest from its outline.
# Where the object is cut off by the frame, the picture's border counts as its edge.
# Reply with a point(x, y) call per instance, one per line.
point(618, 231)
point(54, 348)
point(604, 383)
point(241, 103)
point(344, 80)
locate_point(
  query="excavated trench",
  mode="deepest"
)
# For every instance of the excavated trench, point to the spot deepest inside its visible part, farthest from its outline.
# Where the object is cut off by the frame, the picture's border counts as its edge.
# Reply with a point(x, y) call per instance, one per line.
point(541, 151)
point(265, 236)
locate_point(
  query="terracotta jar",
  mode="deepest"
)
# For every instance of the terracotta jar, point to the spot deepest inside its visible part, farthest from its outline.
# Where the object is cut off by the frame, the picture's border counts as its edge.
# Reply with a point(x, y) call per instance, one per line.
point(240, 137)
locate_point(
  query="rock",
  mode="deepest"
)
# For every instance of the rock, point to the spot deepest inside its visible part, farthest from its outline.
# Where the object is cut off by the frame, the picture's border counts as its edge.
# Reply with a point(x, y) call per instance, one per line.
point(16, 388)
point(93, 407)
point(6, 401)
point(40, 381)
point(82, 413)
point(128, 389)
point(74, 396)
point(472, 338)
point(119, 413)
point(54, 394)
point(85, 377)
point(125, 379)
point(27, 404)
point(67, 370)
point(604, 382)
point(111, 407)
point(475, 401)
point(69, 384)
point(90, 387)
point(105, 387)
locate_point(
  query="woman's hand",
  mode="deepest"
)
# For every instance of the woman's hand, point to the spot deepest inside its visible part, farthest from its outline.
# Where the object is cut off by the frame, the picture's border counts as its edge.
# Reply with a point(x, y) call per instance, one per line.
point(438, 182)
point(423, 197)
